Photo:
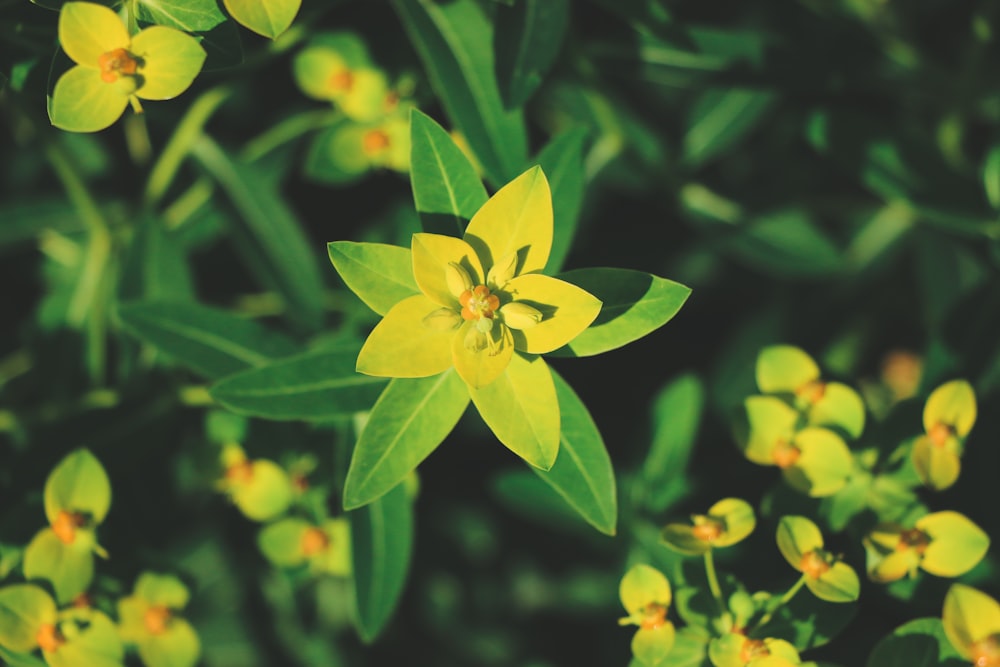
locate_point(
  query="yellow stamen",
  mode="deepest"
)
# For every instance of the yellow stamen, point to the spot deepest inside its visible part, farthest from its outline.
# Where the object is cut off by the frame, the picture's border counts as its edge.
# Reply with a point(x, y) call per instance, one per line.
point(815, 563)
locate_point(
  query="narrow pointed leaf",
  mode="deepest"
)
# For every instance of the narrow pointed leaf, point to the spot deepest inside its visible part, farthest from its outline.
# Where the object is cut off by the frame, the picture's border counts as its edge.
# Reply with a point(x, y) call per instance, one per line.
point(446, 188)
point(677, 412)
point(314, 386)
point(562, 162)
point(381, 545)
point(533, 33)
point(634, 305)
point(411, 418)
point(211, 342)
point(380, 274)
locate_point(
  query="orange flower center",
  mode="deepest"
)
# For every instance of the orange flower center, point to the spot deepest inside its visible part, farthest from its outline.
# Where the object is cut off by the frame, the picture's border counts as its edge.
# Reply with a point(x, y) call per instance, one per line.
point(314, 541)
point(115, 64)
point(986, 652)
point(811, 392)
point(785, 454)
point(815, 563)
point(753, 648)
point(915, 539)
point(654, 615)
point(707, 529)
point(49, 638)
point(478, 303)
point(940, 433)
point(240, 473)
point(375, 141)
point(156, 619)
point(341, 82)
point(66, 524)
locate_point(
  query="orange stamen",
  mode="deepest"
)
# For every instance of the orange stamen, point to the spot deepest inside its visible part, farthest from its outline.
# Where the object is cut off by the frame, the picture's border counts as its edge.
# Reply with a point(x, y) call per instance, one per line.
point(156, 619)
point(915, 539)
point(785, 454)
point(812, 391)
point(375, 141)
point(707, 529)
point(65, 526)
point(341, 82)
point(49, 638)
point(654, 615)
point(478, 303)
point(116, 63)
point(753, 648)
point(314, 541)
point(940, 433)
point(814, 564)
point(986, 652)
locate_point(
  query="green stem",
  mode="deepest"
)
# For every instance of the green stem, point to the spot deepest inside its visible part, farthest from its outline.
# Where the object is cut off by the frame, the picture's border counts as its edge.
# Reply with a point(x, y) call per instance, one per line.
point(785, 599)
point(713, 581)
point(287, 130)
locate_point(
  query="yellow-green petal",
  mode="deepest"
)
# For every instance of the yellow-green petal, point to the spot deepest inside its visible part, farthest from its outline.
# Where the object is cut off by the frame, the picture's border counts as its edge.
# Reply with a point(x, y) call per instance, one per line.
point(796, 537)
point(643, 585)
point(96, 645)
point(937, 467)
point(770, 420)
point(266, 494)
point(969, 616)
point(403, 346)
point(281, 541)
point(432, 253)
point(840, 407)
point(784, 368)
point(481, 367)
point(957, 544)
point(894, 566)
point(336, 558)
point(162, 589)
point(522, 410)
point(518, 218)
point(681, 538)
point(315, 68)
point(725, 651)
point(838, 584)
point(738, 517)
point(651, 645)
point(171, 60)
point(824, 463)
point(566, 311)
point(88, 30)
point(83, 102)
point(781, 649)
point(365, 102)
point(24, 608)
point(177, 646)
point(954, 404)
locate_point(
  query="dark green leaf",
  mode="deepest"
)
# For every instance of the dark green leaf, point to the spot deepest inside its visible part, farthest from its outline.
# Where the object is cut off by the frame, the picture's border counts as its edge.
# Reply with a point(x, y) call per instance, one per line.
point(677, 412)
point(720, 119)
point(381, 543)
point(184, 15)
point(808, 622)
point(24, 220)
point(919, 643)
point(268, 235)
point(156, 267)
point(533, 32)
point(455, 43)
point(313, 386)
point(211, 342)
point(634, 304)
point(562, 162)
point(787, 243)
point(411, 418)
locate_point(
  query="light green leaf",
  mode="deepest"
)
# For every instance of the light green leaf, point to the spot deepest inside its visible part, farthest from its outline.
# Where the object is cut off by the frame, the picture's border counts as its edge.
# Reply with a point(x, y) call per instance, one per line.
point(380, 274)
point(409, 420)
point(24, 608)
point(991, 176)
point(78, 484)
point(269, 18)
point(642, 585)
point(522, 410)
point(268, 235)
point(840, 407)
point(336, 155)
point(562, 162)
point(314, 386)
point(12, 659)
point(533, 33)
point(788, 244)
point(677, 412)
point(68, 567)
point(171, 61)
point(446, 188)
point(381, 545)
point(94, 644)
point(212, 342)
point(582, 473)
point(634, 305)
point(796, 537)
point(156, 267)
point(455, 43)
point(720, 119)
point(919, 643)
point(186, 15)
point(82, 102)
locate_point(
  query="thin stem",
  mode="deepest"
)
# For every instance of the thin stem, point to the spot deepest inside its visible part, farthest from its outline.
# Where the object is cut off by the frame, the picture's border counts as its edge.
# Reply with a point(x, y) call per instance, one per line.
point(785, 599)
point(287, 130)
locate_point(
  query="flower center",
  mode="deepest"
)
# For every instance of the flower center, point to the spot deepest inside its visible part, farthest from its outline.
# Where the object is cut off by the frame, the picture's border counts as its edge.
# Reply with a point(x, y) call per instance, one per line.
point(66, 524)
point(915, 539)
point(815, 563)
point(156, 619)
point(986, 652)
point(654, 615)
point(785, 454)
point(314, 541)
point(375, 141)
point(115, 64)
point(478, 303)
point(706, 528)
point(753, 648)
point(240, 473)
point(341, 82)
point(811, 392)
point(49, 638)
point(940, 433)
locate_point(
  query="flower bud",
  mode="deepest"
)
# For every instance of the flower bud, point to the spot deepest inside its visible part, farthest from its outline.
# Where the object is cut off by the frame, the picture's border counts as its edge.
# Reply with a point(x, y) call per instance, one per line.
point(502, 271)
point(458, 279)
point(519, 315)
point(442, 319)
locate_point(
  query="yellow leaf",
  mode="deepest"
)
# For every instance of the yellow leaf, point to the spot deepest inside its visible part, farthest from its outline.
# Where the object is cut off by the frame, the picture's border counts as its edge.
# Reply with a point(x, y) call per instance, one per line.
point(171, 60)
point(969, 616)
point(82, 102)
point(566, 311)
point(432, 253)
point(952, 404)
point(403, 346)
point(88, 30)
point(479, 367)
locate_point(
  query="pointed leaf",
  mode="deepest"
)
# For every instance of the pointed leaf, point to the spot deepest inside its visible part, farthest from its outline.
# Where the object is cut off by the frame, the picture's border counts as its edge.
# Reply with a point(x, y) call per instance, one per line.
point(455, 42)
point(381, 546)
point(522, 410)
point(409, 421)
point(562, 162)
point(380, 274)
point(533, 33)
point(78, 484)
point(446, 188)
point(582, 473)
point(211, 342)
point(919, 643)
point(797, 536)
point(634, 304)
point(720, 118)
point(838, 584)
point(314, 386)
point(677, 412)
point(186, 15)
point(156, 267)
point(269, 18)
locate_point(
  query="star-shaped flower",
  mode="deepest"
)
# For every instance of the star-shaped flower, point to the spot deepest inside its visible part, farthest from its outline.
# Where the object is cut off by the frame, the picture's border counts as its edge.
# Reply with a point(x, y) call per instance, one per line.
point(482, 296)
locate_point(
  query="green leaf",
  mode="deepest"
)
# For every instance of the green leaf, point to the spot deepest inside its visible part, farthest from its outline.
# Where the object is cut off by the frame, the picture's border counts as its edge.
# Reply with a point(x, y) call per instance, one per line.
point(533, 33)
point(786, 244)
point(380, 274)
point(12, 659)
point(455, 43)
point(919, 643)
point(446, 188)
point(156, 267)
point(720, 118)
point(211, 342)
point(522, 410)
point(68, 567)
point(336, 156)
point(24, 608)
point(562, 162)
point(267, 234)
point(677, 412)
point(582, 473)
point(381, 544)
point(78, 484)
point(186, 15)
point(807, 621)
point(991, 176)
point(269, 18)
point(634, 304)
point(313, 386)
point(411, 418)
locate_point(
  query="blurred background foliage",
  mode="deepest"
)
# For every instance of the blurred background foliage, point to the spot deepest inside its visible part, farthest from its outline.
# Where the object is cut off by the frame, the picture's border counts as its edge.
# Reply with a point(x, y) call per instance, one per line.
point(824, 173)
